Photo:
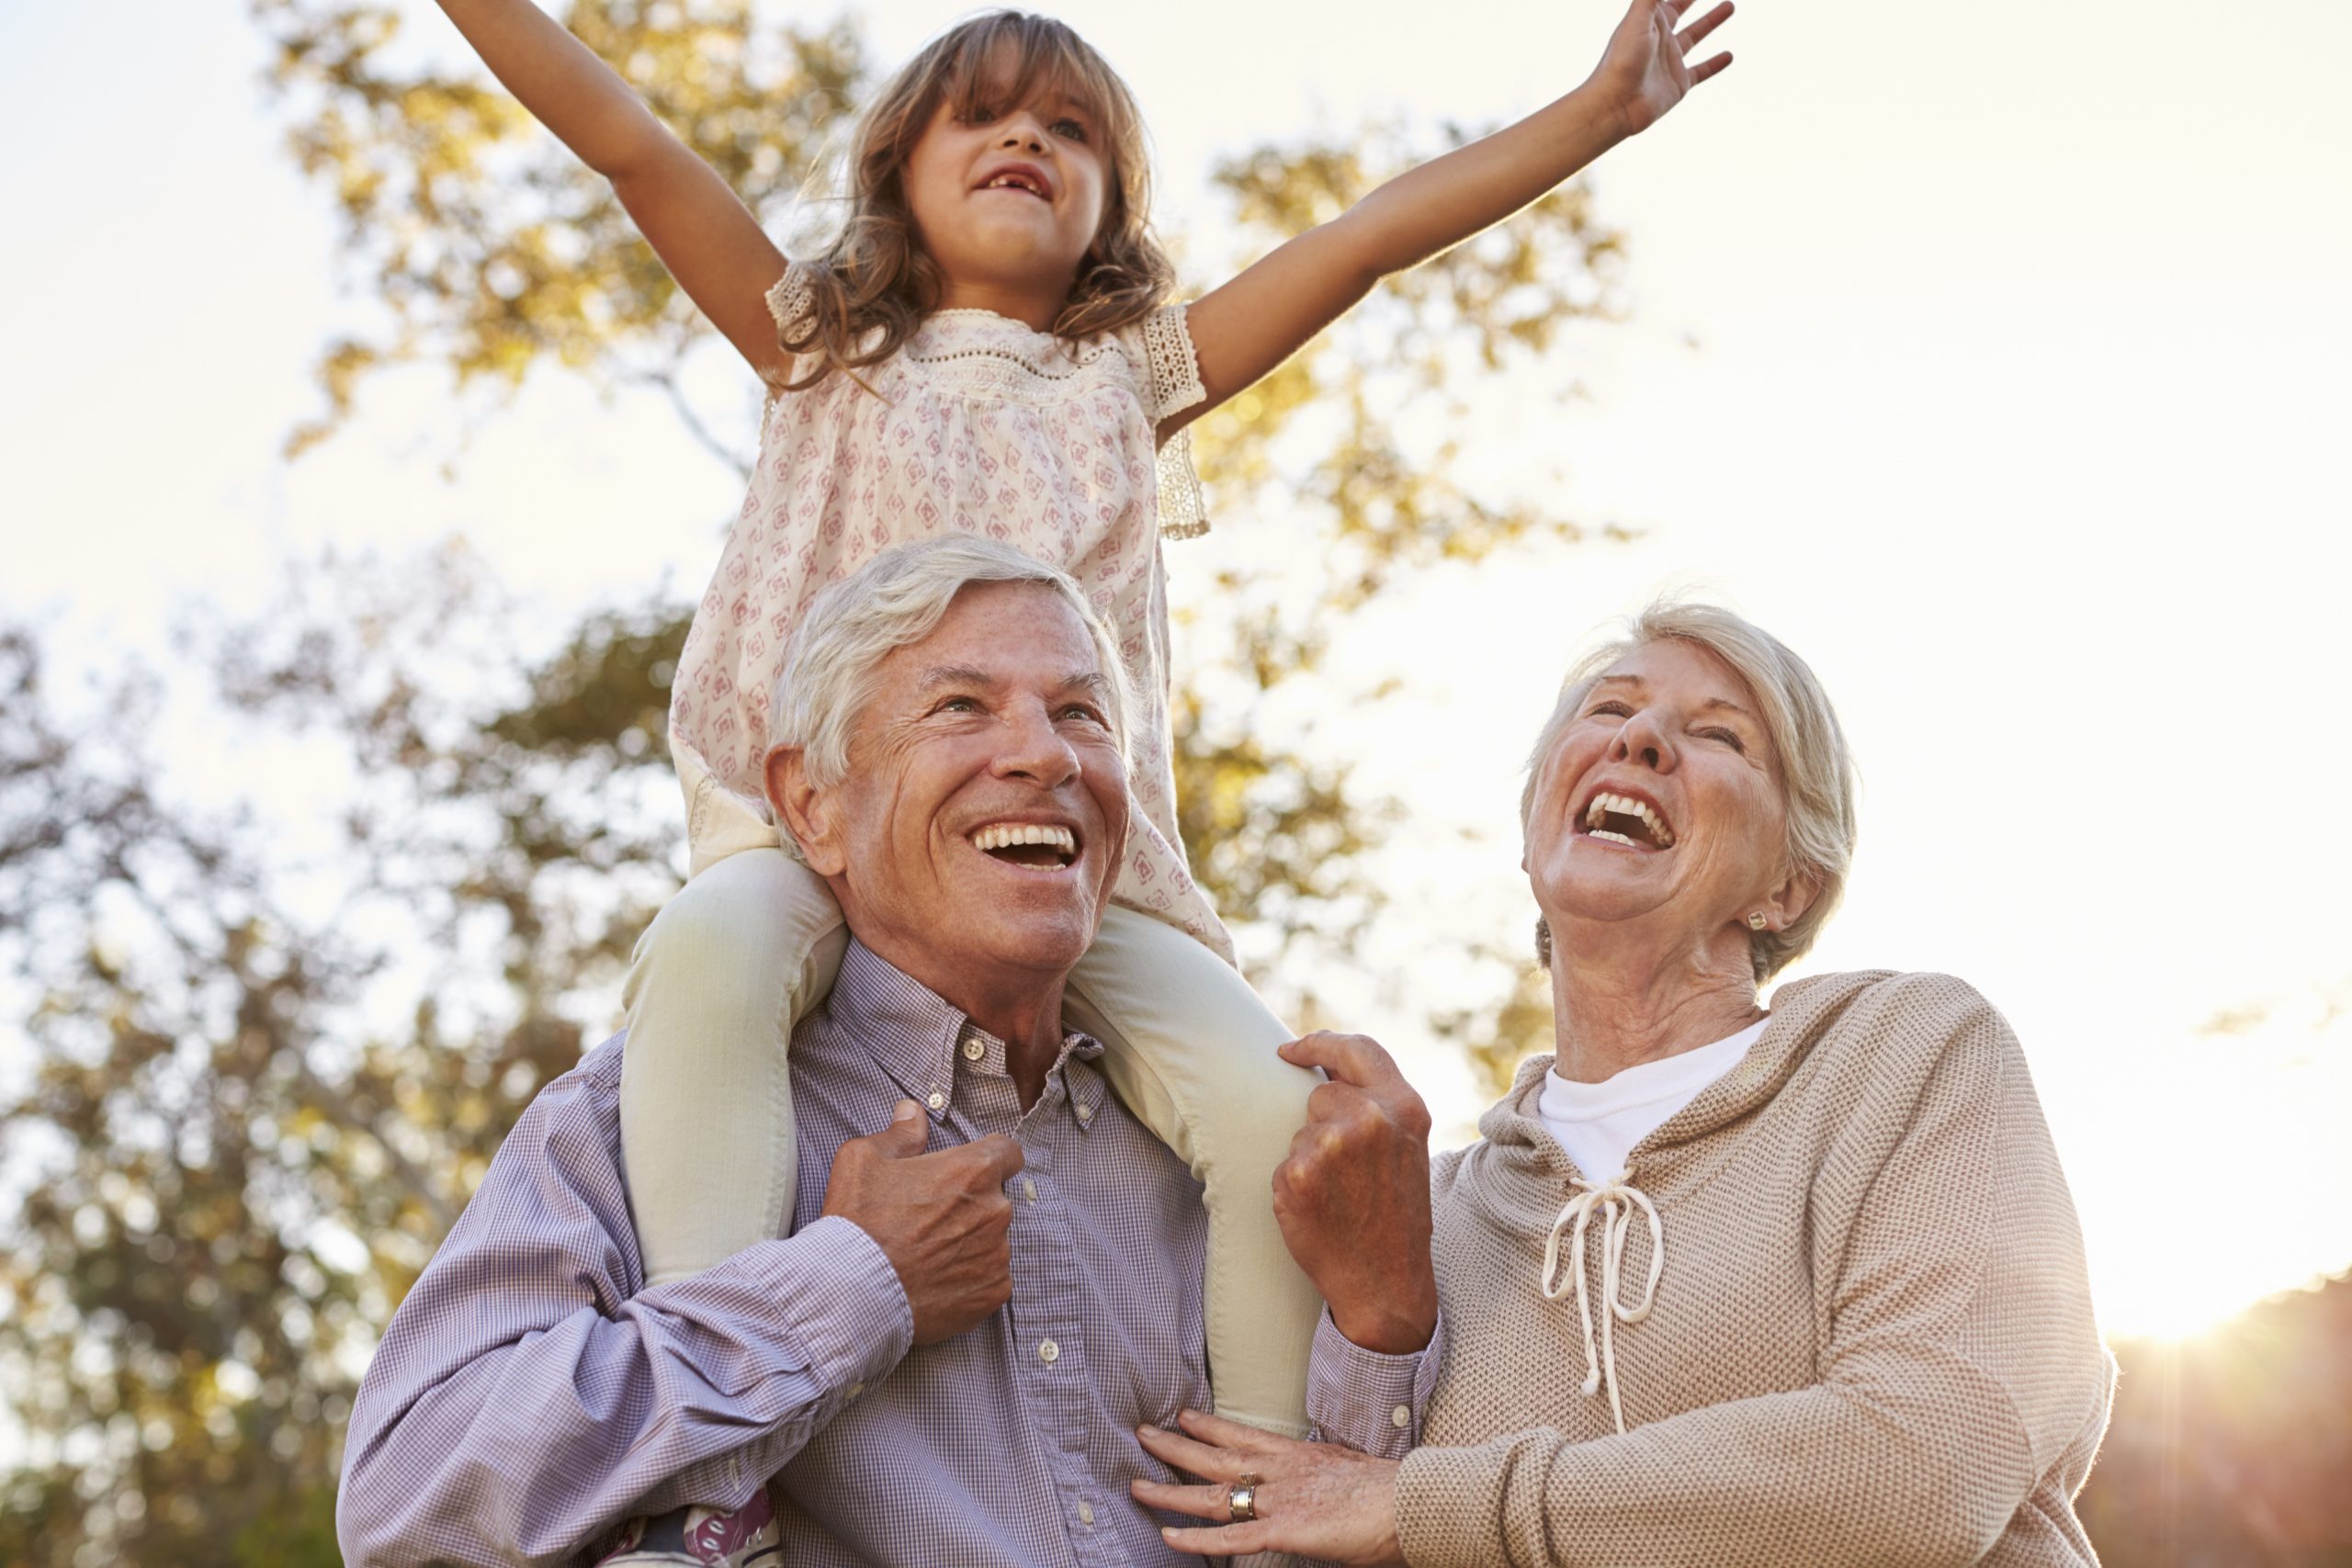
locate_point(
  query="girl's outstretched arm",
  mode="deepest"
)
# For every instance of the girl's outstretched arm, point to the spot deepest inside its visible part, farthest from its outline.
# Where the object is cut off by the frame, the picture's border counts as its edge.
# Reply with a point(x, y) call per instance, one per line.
point(1259, 319)
point(703, 233)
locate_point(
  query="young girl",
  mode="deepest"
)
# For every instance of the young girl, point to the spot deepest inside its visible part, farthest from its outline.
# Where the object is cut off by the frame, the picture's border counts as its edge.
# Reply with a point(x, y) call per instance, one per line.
point(988, 347)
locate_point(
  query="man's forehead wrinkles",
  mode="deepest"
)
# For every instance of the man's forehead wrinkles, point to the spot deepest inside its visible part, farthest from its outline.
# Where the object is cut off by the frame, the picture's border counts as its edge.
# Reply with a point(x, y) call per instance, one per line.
point(958, 675)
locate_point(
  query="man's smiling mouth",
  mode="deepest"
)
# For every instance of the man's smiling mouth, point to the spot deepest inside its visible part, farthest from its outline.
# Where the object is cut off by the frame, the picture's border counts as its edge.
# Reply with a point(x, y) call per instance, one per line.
point(1033, 846)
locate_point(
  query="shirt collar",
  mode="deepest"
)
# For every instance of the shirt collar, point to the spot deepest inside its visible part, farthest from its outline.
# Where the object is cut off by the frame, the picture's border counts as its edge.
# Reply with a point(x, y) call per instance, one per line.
point(912, 1033)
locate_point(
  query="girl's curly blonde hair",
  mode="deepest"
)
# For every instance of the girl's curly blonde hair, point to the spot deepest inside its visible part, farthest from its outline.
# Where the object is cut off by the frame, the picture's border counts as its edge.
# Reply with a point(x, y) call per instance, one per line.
point(876, 272)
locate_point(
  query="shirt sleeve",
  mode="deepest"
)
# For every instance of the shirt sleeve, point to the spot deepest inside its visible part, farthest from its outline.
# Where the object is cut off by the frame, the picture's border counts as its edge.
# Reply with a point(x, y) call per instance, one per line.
point(527, 1398)
point(1961, 1369)
point(1364, 1399)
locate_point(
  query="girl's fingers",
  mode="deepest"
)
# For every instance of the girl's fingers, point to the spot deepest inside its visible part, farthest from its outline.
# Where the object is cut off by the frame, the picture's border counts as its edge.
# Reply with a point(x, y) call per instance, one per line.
point(1692, 36)
point(1707, 68)
point(1179, 1452)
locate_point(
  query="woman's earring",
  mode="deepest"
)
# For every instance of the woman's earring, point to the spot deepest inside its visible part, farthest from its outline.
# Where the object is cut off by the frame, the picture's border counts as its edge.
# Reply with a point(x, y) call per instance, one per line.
point(1755, 919)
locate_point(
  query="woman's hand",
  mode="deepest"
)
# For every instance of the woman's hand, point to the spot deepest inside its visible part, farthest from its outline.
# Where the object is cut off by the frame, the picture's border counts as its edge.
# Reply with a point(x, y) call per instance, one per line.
point(1354, 1198)
point(1314, 1500)
point(1645, 71)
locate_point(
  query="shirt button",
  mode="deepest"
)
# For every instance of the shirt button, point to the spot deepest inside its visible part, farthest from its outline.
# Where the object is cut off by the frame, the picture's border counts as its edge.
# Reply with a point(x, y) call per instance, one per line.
point(1028, 1190)
point(974, 1050)
point(1400, 1417)
point(937, 1102)
point(1050, 1352)
point(1086, 1513)
point(1086, 1113)
point(856, 1389)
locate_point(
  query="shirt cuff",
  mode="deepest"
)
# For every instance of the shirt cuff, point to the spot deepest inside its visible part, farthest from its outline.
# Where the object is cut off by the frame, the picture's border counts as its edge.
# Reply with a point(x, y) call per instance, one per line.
point(835, 1287)
point(1367, 1400)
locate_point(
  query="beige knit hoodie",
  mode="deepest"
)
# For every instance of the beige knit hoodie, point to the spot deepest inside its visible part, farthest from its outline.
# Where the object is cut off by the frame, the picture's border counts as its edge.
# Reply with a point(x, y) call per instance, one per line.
point(1872, 1342)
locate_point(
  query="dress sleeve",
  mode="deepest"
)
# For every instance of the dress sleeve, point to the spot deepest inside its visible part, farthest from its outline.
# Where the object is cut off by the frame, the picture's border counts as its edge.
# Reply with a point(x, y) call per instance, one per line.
point(790, 303)
point(1175, 386)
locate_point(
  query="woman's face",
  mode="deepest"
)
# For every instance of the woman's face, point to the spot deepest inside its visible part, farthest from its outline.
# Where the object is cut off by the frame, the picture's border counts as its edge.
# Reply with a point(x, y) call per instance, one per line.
point(1659, 811)
point(1010, 197)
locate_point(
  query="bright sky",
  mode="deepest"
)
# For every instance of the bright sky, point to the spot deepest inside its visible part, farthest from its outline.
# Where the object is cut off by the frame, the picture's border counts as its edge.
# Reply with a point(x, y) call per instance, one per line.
point(1987, 353)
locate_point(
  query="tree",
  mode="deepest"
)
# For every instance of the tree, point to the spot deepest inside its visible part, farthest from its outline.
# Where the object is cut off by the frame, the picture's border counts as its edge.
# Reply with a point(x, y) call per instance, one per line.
point(236, 1084)
point(271, 1066)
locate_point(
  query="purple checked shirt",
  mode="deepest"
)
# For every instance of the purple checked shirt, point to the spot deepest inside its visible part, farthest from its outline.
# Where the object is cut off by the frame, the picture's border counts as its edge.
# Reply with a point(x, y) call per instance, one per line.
point(531, 1394)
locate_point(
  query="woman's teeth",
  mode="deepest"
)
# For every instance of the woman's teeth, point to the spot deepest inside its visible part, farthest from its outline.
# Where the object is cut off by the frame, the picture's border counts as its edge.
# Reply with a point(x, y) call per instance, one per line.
point(1606, 805)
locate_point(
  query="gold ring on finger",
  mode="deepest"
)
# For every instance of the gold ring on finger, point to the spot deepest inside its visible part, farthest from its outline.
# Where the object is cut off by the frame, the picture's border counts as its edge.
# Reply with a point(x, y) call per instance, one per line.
point(1241, 1498)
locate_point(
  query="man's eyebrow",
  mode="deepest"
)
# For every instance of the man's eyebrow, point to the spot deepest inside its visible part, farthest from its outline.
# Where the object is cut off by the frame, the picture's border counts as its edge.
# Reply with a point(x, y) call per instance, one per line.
point(940, 675)
point(1091, 681)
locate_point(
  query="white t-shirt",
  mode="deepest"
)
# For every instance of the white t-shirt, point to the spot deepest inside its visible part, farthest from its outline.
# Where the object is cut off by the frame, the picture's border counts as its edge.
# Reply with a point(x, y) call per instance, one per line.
point(1599, 1123)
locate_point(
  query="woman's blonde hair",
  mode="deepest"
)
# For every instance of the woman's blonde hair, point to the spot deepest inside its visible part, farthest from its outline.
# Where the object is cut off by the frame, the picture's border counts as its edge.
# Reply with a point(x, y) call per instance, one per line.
point(876, 275)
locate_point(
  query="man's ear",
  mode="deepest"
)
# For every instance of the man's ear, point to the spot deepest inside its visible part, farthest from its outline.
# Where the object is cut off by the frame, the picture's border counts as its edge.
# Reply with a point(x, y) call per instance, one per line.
point(808, 813)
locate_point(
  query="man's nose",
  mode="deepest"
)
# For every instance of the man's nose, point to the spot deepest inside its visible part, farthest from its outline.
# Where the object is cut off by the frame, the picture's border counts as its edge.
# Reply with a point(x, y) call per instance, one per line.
point(1642, 740)
point(1035, 750)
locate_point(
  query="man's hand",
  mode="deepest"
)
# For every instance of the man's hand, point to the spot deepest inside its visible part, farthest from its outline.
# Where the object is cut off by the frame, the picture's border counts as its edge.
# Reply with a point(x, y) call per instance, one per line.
point(1354, 1198)
point(942, 1219)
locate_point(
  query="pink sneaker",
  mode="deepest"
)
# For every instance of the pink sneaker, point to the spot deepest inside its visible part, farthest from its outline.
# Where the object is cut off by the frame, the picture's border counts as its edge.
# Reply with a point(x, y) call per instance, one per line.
point(702, 1537)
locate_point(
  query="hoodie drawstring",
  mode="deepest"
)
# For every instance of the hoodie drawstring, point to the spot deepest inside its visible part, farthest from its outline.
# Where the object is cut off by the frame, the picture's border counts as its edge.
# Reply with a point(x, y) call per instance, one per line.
point(1617, 1198)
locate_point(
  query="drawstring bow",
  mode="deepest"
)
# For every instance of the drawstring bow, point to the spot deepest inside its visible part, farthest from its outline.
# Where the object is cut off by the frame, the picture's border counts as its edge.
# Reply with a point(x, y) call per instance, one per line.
point(1616, 1199)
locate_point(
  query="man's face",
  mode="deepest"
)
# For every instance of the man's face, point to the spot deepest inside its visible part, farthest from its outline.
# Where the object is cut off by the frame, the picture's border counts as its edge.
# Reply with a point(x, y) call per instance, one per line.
point(975, 837)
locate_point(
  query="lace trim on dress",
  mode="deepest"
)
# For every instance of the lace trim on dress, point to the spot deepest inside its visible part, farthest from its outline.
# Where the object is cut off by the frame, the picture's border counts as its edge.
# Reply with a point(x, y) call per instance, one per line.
point(790, 301)
point(1175, 387)
point(1184, 510)
point(1175, 368)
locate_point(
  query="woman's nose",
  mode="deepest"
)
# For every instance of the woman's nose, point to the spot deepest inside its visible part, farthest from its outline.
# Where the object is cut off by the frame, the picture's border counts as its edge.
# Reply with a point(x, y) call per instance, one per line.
point(1642, 741)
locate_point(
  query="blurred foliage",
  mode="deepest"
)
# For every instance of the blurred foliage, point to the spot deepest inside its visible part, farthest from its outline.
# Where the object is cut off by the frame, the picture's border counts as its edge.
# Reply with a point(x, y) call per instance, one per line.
point(239, 1156)
point(271, 1056)
point(2232, 1449)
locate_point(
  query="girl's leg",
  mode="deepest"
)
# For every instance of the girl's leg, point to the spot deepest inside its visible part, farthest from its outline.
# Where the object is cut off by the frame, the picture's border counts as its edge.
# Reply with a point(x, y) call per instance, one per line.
point(750, 944)
point(1190, 1048)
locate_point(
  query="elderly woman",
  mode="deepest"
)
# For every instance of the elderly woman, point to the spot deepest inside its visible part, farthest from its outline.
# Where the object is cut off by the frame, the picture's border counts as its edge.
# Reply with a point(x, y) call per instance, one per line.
point(1720, 1285)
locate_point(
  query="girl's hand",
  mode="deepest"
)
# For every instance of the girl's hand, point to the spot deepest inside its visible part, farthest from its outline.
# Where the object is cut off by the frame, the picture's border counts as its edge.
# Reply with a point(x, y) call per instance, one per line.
point(1646, 70)
point(1315, 1499)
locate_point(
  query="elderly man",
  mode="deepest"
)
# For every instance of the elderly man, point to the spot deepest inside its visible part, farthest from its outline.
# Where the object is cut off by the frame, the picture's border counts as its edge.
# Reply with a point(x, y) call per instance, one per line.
point(999, 1278)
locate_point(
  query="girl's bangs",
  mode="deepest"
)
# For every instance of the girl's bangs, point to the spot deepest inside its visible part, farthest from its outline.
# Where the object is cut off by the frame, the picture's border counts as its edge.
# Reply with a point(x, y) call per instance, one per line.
point(1039, 52)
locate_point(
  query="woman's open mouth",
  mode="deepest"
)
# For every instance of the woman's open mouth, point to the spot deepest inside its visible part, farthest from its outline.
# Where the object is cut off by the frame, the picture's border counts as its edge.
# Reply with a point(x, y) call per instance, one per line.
point(1622, 819)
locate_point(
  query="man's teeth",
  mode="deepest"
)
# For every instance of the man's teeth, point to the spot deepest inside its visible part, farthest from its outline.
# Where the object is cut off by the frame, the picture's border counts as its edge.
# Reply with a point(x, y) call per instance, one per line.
point(1005, 835)
point(1606, 804)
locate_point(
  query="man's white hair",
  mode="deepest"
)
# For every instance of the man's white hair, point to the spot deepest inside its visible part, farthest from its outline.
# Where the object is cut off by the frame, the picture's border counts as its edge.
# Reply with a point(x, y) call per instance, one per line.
point(832, 668)
point(1816, 771)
